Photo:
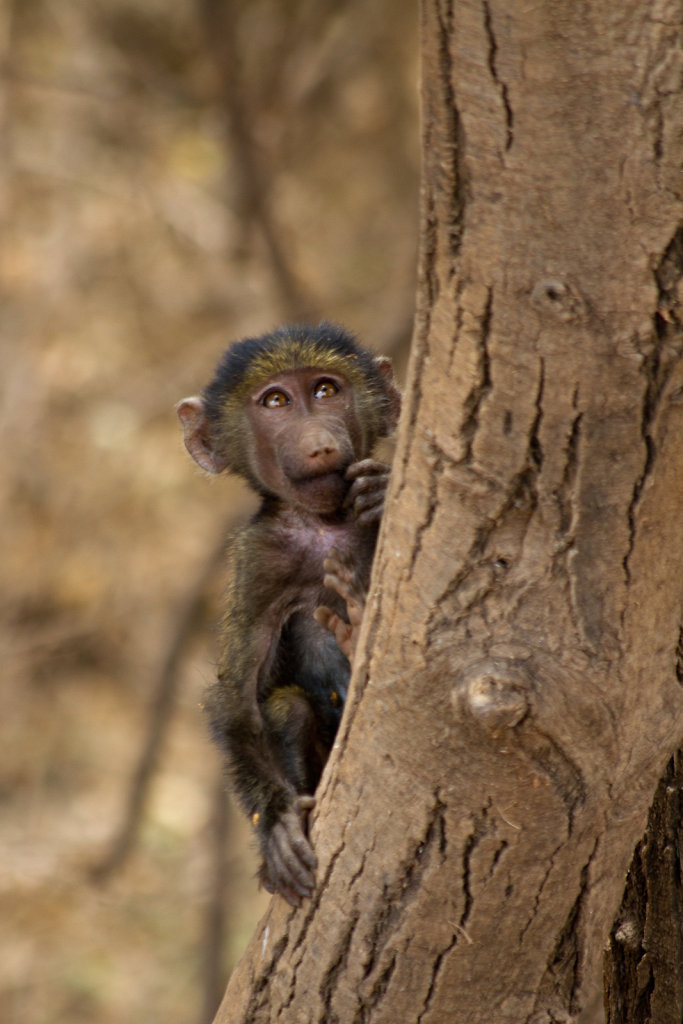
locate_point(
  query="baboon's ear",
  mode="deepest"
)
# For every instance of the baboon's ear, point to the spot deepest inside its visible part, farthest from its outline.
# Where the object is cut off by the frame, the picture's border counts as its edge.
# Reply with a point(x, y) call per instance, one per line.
point(391, 392)
point(197, 434)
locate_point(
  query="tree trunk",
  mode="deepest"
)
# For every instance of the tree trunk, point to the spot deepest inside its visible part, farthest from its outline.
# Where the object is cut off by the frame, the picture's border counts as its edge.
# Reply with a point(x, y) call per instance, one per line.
point(644, 961)
point(516, 695)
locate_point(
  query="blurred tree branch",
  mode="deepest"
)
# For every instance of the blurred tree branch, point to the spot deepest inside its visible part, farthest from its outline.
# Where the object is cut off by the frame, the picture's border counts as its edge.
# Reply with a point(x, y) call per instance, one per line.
point(218, 19)
point(189, 618)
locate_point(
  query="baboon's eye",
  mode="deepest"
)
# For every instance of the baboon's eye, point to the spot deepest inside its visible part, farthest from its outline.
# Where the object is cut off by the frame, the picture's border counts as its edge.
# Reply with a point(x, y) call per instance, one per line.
point(325, 389)
point(274, 399)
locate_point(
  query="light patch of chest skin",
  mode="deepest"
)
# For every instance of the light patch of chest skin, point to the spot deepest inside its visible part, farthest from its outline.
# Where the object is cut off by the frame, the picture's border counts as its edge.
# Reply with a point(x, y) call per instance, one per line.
point(308, 540)
point(315, 538)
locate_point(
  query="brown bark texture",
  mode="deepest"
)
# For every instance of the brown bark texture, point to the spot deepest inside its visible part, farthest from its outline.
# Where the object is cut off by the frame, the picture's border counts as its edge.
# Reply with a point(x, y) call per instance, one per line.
point(516, 696)
point(644, 960)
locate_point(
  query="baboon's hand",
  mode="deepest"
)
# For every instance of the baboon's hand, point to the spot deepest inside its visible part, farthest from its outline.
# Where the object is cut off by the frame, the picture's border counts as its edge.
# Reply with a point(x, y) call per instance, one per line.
point(365, 498)
point(289, 862)
point(340, 577)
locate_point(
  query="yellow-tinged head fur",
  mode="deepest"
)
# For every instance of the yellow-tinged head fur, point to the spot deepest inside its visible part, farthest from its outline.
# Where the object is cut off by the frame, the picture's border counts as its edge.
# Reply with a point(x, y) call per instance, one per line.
point(295, 354)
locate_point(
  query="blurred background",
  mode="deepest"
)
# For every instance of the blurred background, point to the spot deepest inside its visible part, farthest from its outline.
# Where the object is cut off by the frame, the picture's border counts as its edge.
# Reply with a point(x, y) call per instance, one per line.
point(173, 175)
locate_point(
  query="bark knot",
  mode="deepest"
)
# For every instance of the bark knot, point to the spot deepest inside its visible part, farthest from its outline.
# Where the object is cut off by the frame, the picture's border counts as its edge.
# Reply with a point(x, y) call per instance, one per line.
point(496, 692)
point(558, 299)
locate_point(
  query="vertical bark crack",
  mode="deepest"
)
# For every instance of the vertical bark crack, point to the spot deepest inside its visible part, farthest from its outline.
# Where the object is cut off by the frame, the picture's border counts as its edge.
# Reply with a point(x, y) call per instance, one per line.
point(565, 493)
point(478, 393)
point(539, 893)
point(452, 139)
point(480, 830)
point(504, 93)
point(638, 487)
point(328, 984)
point(378, 991)
point(260, 991)
point(559, 987)
point(436, 970)
point(667, 338)
point(432, 506)
point(450, 608)
point(429, 248)
point(300, 944)
point(535, 448)
point(397, 895)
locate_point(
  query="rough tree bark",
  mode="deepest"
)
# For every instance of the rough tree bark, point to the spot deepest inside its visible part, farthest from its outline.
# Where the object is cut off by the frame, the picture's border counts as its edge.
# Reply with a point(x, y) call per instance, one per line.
point(516, 697)
point(644, 960)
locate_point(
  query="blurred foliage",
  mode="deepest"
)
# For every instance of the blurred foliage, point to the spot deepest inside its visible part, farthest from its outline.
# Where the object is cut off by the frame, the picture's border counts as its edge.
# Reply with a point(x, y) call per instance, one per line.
point(173, 175)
